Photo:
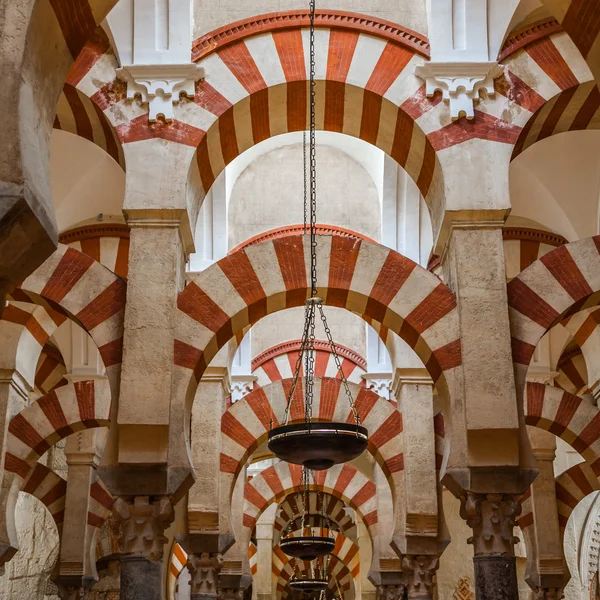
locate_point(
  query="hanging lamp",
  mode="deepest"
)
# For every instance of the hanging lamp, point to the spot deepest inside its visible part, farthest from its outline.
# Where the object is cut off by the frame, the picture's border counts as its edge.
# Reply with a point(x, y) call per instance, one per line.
point(316, 581)
point(308, 547)
point(317, 445)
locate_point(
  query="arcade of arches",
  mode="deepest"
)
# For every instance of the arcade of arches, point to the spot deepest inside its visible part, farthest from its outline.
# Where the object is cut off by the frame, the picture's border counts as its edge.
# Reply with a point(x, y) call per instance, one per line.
point(154, 270)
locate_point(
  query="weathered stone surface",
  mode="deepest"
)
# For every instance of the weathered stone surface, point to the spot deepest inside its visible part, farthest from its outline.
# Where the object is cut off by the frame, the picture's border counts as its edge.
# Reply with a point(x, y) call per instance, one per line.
point(496, 577)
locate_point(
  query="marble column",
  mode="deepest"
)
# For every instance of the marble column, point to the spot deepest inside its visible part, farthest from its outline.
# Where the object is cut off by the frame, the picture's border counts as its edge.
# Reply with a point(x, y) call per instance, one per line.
point(143, 521)
point(262, 581)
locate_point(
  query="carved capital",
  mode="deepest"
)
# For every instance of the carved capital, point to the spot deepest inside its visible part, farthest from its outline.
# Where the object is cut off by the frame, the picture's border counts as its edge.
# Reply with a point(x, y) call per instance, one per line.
point(548, 594)
point(241, 385)
point(492, 517)
point(204, 570)
point(390, 592)
point(231, 594)
point(143, 522)
point(460, 84)
point(72, 592)
point(160, 86)
point(419, 572)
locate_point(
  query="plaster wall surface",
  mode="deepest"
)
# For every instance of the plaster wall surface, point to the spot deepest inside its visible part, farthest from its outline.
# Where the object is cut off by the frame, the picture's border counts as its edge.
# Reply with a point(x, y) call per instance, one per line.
point(85, 180)
point(212, 14)
point(347, 329)
point(269, 194)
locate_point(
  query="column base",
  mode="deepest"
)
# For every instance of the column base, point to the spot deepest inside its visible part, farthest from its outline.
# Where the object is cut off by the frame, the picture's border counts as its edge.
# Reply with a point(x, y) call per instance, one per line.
point(496, 577)
point(140, 578)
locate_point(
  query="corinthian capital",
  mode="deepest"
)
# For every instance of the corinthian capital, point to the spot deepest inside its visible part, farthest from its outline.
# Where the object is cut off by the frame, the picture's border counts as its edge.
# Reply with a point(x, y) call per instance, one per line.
point(492, 517)
point(419, 571)
point(390, 592)
point(143, 523)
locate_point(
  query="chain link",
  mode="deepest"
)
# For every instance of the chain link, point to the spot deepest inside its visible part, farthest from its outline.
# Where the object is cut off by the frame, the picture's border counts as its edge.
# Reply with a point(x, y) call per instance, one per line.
point(307, 346)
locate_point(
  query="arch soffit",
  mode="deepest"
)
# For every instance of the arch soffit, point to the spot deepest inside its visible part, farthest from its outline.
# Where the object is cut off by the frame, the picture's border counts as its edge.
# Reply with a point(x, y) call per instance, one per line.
point(353, 274)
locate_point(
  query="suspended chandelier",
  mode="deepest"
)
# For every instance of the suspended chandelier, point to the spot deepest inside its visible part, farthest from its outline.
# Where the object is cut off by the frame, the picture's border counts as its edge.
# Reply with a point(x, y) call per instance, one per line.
point(307, 546)
point(316, 581)
point(317, 445)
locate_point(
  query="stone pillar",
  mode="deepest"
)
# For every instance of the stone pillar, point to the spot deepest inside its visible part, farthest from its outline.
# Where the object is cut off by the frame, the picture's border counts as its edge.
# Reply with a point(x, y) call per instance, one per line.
point(147, 454)
point(390, 591)
point(492, 517)
point(490, 464)
point(76, 572)
point(203, 498)
point(143, 521)
point(546, 571)
point(262, 581)
point(14, 390)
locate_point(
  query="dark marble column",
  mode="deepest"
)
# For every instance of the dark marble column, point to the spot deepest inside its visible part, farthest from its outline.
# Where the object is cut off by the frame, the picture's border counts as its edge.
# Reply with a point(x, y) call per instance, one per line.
point(492, 517)
point(143, 520)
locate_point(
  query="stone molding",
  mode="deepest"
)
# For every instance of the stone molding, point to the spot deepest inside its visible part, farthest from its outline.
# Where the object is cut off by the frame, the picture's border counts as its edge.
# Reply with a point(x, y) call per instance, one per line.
point(143, 523)
point(294, 346)
point(218, 375)
point(204, 570)
point(419, 572)
point(460, 83)
point(88, 232)
point(292, 19)
point(160, 86)
point(492, 517)
point(590, 544)
point(290, 230)
point(527, 35)
point(527, 234)
point(241, 385)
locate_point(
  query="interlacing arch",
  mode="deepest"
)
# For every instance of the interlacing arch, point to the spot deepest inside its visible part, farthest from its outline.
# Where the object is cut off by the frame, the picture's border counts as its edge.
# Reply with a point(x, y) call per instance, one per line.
point(246, 424)
point(367, 279)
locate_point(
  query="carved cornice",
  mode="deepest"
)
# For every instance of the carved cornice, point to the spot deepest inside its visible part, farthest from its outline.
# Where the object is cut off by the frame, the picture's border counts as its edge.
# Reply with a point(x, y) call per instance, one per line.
point(98, 230)
point(293, 19)
point(294, 346)
point(527, 35)
point(533, 235)
point(290, 230)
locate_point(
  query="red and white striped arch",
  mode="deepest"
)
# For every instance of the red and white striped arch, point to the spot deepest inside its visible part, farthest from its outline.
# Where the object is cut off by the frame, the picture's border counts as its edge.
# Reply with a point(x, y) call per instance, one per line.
point(572, 487)
point(344, 567)
point(289, 510)
point(367, 279)
point(26, 329)
point(106, 243)
point(177, 562)
point(279, 362)
point(584, 327)
point(570, 417)
point(345, 482)
point(70, 408)
point(82, 288)
point(50, 489)
point(50, 371)
point(581, 20)
point(245, 425)
point(572, 371)
point(524, 245)
point(557, 285)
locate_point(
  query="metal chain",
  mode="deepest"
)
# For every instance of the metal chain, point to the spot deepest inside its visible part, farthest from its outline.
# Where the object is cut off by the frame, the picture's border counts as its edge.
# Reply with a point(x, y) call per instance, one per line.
point(313, 156)
point(338, 364)
point(305, 163)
